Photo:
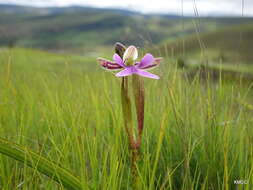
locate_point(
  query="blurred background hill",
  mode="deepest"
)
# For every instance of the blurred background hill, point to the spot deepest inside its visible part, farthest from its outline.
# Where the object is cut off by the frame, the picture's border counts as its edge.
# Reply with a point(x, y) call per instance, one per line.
point(86, 30)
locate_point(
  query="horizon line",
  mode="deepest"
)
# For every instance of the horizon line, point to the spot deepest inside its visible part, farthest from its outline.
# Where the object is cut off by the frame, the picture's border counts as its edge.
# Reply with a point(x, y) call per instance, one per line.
point(164, 13)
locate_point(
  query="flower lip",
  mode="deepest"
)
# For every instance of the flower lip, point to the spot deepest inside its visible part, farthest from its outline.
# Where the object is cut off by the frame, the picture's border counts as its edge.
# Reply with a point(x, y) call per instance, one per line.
point(130, 70)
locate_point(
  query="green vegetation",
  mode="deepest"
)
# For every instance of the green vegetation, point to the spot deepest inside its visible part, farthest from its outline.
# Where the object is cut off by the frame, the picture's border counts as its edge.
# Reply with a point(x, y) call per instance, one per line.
point(77, 29)
point(198, 132)
point(230, 45)
point(62, 113)
point(39, 163)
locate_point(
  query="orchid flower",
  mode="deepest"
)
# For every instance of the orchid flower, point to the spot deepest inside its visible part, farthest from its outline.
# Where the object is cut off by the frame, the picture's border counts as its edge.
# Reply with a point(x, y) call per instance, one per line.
point(128, 64)
point(125, 60)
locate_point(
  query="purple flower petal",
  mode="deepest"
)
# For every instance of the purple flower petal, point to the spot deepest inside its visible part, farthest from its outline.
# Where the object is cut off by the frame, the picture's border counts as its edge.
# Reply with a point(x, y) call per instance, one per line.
point(110, 65)
point(125, 72)
point(146, 60)
point(153, 65)
point(149, 67)
point(118, 60)
point(147, 74)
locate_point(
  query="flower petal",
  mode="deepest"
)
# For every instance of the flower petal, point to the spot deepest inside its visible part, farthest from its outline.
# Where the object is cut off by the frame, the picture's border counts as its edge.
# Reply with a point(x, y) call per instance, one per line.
point(147, 74)
point(149, 67)
point(107, 64)
point(125, 72)
point(146, 60)
point(130, 53)
point(158, 60)
point(118, 60)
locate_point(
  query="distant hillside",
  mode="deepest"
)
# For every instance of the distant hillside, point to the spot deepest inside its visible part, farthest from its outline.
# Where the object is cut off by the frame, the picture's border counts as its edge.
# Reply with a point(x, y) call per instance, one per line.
point(88, 28)
point(18, 9)
point(230, 44)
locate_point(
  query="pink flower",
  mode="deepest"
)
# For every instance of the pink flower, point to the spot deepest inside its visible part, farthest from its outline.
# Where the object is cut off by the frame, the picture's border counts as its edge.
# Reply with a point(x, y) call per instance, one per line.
point(128, 64)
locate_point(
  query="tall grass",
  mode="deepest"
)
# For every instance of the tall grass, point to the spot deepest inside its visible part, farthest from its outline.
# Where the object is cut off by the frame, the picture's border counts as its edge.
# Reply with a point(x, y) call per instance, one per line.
point(198, 133)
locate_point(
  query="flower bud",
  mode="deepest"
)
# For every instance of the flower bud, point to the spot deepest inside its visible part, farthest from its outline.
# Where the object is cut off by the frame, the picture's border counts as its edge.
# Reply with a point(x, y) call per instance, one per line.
point(120, 49)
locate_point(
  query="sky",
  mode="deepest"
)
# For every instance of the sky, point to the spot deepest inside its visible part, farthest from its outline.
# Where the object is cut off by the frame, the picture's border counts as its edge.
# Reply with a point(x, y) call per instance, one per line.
point(204, 7)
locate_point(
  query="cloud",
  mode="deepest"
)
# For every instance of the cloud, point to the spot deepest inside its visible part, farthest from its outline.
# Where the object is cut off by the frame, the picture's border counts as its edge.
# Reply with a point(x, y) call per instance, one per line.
point(204, 7)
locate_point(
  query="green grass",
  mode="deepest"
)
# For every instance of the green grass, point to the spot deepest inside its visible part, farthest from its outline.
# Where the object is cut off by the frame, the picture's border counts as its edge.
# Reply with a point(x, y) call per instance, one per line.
point(198, 133)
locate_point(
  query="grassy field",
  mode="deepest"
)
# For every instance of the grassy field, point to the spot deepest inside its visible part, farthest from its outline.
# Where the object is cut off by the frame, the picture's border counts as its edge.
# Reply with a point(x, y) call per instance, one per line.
point(198, 132)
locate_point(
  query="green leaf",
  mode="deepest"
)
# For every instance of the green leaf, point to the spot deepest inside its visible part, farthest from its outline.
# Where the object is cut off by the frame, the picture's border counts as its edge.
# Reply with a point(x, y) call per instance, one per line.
point(138, 89)
point(127, 112)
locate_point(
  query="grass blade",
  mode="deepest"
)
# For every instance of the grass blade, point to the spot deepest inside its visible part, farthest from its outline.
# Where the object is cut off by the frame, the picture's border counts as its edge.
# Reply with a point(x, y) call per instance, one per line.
point(40, 163)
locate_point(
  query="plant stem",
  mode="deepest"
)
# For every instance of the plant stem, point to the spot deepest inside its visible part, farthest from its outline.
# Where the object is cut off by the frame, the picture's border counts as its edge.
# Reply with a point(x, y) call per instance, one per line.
point(134, 164)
